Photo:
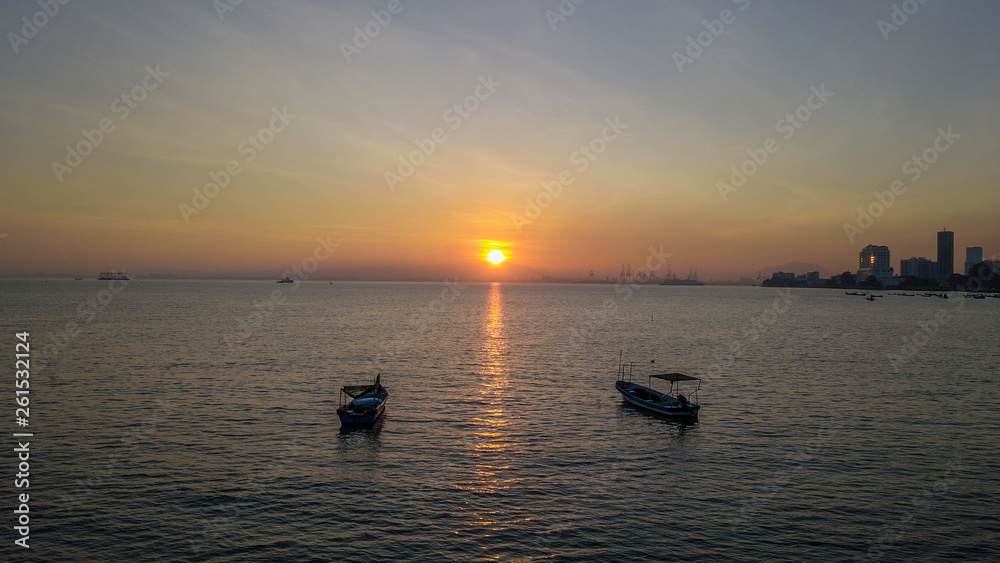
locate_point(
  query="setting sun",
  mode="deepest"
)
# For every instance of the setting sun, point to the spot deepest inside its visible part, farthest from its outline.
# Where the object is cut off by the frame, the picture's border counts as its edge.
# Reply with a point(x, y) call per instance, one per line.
point(495, 257)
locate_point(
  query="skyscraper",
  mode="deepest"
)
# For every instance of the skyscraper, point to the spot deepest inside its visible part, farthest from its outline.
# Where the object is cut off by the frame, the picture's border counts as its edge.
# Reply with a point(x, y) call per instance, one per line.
point(918, 267)
point(873, 260)
point(946, 254)
point(973, 256)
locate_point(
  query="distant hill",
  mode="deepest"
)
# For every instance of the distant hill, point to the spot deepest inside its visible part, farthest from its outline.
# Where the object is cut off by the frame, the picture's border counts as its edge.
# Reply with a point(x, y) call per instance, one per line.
point(798, 268)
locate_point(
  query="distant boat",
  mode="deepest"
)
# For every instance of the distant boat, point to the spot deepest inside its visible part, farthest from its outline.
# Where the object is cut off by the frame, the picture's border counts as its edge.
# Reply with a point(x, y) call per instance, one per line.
point(670, 404)
point(285, 279)
point(671, 279)
point(119, 276)
point(366, 405)
point(78, 279)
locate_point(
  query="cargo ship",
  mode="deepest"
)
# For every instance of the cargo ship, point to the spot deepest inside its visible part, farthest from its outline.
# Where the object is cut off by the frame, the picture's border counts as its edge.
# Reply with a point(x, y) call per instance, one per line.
point(671, 279)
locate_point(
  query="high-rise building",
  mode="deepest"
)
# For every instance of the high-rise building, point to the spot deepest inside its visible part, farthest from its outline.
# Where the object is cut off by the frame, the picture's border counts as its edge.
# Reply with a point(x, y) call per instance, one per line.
point(973, 256)
point(918, 267)
point(873, 260)
point(945, 254)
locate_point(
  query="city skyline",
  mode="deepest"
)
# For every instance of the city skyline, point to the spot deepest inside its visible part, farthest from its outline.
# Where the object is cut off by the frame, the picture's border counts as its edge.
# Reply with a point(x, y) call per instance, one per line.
point(402, 140)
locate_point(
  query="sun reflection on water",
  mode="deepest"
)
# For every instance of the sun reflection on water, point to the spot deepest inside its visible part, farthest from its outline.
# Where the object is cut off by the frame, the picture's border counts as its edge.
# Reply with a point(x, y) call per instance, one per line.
point(491, 444)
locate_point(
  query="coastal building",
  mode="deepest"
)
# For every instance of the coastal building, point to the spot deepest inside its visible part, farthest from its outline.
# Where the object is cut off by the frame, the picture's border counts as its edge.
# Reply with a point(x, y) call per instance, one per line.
point(918, 268)
point(973, 256)
point(945, 254)
point(873, 260)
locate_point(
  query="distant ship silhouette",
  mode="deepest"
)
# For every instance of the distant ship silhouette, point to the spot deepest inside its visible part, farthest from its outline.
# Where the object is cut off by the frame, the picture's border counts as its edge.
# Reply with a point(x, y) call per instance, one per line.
point(671, 279)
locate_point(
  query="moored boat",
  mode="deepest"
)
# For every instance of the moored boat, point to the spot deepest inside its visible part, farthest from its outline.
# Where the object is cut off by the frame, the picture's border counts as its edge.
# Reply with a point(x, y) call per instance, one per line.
point(671, 403)
point(366, 404)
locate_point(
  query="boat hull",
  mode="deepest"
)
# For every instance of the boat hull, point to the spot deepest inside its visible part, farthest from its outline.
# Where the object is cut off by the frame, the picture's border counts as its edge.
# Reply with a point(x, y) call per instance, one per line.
point(656, 402)
point(352, 417)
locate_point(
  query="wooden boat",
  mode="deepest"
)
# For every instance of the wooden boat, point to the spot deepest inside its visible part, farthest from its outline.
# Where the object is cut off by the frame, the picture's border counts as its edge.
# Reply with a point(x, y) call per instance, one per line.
point(366, 404)
point(671, 404)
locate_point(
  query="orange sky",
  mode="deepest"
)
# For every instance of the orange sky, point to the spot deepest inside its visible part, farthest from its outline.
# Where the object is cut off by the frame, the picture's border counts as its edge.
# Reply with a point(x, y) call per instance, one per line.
point(500, 104)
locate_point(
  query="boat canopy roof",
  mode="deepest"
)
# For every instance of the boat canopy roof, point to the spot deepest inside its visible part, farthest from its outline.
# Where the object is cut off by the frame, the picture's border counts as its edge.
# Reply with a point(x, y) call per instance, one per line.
point(357, 390)
point(674, 377)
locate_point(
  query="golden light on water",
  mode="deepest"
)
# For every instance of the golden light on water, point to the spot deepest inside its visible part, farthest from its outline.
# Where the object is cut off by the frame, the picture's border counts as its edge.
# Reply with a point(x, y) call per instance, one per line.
point(490, 440)
point(490, 443)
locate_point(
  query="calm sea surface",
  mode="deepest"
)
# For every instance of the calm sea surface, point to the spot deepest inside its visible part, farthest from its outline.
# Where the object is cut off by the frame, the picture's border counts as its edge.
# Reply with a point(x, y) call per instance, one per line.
point(195, 421)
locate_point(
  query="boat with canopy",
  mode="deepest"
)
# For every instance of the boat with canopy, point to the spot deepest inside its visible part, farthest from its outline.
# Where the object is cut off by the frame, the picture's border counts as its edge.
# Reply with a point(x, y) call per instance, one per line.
point(671, 403)
point(362, 404)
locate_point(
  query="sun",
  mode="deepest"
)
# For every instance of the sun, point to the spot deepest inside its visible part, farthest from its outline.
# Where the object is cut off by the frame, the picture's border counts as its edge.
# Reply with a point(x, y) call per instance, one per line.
point(495, 257)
